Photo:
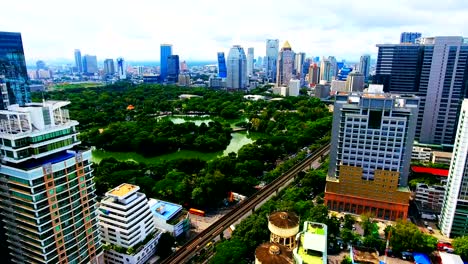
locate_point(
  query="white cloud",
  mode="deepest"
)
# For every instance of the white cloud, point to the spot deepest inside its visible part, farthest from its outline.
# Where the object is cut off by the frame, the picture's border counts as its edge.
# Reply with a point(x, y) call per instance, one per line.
point(198, 29)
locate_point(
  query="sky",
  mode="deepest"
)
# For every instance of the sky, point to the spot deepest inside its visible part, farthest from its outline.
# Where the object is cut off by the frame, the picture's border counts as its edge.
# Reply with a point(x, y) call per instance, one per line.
point(197, 29)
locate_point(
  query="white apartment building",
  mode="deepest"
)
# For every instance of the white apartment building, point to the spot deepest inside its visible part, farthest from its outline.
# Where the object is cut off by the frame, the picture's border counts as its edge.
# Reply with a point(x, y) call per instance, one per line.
point(127, 226)
point(169, 217)
point(454, 217)
point(421, 154)
point(429, 198)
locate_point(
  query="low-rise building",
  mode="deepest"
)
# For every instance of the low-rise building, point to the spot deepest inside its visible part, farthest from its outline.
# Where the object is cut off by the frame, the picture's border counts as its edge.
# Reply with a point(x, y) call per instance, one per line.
point(127, 226)
point(170, 217)
point(428, 198)
point(441, 157)
point(421, 154)
point(311, 244)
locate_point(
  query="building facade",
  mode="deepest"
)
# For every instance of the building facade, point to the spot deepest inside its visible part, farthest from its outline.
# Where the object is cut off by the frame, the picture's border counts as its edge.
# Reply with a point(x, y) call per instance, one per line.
point(285, 66)
point(222, 71)
point(166, 51)
point(370, 155)
point(436, 70)
point(127, 226)
point(454, 218)
point(90, 64)
point(271, 58)
point(250, 61)
point(13, 69)
point(109, 68)
point(48, 201)
point(355, 82)
point(173, 68)
point(170, 217)
point(121, 68)
point(314, 74)
point(78, 62)
point(429, 198)
point(364, 66)
point(409, 37)
point(236, 68)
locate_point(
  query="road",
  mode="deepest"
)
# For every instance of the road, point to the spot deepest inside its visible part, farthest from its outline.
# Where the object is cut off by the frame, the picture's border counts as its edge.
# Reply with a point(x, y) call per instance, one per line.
point(186, 252)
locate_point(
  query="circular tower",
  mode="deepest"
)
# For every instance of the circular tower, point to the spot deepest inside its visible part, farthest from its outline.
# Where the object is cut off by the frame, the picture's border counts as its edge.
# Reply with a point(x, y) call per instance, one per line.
point(283, 227)
point(272, 253)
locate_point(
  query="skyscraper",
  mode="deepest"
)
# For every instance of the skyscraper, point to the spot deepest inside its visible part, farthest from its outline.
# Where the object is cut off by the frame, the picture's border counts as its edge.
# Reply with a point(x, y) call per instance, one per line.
point(222, 71)
point(13, 68)
point(454, 220)
point(78, 63)
point(109, 68)
point(437, 71)
point(409, 37)
point(285, 65)
point(259, 63)
point(326, 70)
point(166, 51)
point(314, 74)
point(173, 68)
point(299, 59)
point(364, 66)
point(250, 61)
point(271, 58)
point(370, 155)
point(90, 64)
point(236, 68)
point(47, 187)
point(355, 82)
point(121, 68)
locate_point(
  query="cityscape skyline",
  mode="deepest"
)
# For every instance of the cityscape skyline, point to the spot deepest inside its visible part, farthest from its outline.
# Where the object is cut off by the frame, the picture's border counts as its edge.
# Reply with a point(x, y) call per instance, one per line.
point(320, 29)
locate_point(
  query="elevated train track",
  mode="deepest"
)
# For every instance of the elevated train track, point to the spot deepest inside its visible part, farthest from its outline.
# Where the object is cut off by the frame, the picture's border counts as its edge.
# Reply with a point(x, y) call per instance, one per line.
point(191, 248)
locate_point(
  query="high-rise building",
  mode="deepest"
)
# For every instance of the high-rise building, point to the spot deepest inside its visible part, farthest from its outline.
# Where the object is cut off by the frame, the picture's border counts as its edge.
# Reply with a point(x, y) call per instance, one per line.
point(173, 68)
point(78, 62)
point(370, 155)
point(355, 82)
point(314, 74)
point(409, 37)
point(453, 220)
point(271, 59)
point(222, 71)
point(259, 63)
point(40, 65)
point(109, 68)
point(166, 51)
point(236, 68)
point(184, 67)
point(125, 220)
point(250, 61)
point(364, 66)
point(326, 71)
point(13, 69)
point(90, 64)
point(437, 71)
point(48, 201)
point(121, 68)
point(299, 59)
point(285, 65)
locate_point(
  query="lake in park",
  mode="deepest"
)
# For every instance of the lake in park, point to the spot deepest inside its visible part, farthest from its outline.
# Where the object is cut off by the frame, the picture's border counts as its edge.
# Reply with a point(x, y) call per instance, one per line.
point(238, 140)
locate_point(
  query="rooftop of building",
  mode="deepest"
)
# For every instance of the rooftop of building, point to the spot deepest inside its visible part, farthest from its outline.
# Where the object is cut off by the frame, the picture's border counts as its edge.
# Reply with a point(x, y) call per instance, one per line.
point(284, 219)
point(163, 209)
point(432, 171)
point(312, 243)
point(442, 154)
point(273, 253)
point(123, 190)
point(364, 255)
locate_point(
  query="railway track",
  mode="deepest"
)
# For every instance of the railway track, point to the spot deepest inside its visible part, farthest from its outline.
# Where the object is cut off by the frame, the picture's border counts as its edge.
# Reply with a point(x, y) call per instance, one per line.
point(191, 248)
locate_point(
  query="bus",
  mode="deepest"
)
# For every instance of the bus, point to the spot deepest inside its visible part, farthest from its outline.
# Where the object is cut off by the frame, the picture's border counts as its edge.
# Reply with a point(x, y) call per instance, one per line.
point(196, 212)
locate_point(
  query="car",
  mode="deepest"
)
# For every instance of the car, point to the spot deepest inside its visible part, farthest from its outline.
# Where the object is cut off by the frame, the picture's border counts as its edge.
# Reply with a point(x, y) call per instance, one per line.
point(430, 229)
point(426, 223)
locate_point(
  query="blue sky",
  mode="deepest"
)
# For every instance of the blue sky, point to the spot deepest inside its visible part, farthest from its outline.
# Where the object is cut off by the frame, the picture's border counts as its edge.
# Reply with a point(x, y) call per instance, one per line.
point(199, 28)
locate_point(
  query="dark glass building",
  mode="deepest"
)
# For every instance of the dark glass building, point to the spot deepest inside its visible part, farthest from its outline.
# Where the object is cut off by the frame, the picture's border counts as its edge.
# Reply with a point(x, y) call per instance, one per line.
point(409, 37)
point(222, 71)
point(173, 68)
point(436, 70)
point(13, 69)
